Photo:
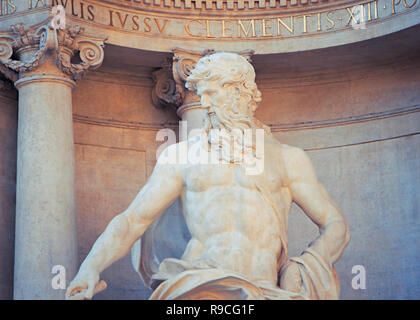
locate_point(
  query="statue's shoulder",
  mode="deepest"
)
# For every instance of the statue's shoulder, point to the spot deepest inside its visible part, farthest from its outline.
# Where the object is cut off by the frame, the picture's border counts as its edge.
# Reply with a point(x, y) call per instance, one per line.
point(167, 149)
point(294, 159)
point(171, 154)
point(297, 164)
point(284, 150)
point(292, 151)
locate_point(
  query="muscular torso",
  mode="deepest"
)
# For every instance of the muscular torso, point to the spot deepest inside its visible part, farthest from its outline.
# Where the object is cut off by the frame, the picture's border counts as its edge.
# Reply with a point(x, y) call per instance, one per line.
point(230, 222)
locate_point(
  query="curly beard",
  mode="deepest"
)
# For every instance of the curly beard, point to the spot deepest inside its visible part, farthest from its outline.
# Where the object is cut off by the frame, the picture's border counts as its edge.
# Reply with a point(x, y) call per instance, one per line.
point(230, 130)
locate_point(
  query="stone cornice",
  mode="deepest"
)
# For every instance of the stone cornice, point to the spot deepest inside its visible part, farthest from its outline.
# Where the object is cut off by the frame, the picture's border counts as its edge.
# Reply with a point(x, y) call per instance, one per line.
point(267, 26)
point(344, 121)
point(215, 7)
point(398, 112)
point(134, 125)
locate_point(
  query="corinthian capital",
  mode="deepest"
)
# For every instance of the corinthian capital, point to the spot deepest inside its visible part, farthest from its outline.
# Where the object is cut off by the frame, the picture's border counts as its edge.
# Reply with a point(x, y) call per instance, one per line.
point(73, 41)
point(20, 39)
point(170, 79)
point(166, 91)
point(31, 45)
point(184, 62)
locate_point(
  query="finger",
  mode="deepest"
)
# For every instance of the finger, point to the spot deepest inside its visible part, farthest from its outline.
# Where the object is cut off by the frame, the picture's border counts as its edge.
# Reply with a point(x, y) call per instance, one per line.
point(69, 290)
point(73, 289)
point(77, 296)
point(101, 286)
point(90, 290)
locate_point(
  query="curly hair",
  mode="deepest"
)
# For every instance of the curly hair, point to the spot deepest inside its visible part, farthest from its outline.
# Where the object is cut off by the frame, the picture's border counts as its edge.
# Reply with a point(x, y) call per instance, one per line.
point(235, 114)
point(231, 71)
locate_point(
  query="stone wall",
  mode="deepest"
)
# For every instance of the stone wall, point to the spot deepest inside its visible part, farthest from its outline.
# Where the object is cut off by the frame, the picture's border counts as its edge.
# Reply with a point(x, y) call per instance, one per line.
point(365, 147)
point(115, 145)
point(359, 127)
point(350, 96)
point(8, 136)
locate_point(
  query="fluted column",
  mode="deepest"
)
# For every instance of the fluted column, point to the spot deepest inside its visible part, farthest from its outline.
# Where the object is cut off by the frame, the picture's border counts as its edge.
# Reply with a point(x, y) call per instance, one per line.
point(46, 234)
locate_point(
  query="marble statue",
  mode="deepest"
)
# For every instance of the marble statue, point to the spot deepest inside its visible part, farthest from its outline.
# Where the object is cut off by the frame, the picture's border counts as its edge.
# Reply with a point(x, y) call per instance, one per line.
point(237, 220)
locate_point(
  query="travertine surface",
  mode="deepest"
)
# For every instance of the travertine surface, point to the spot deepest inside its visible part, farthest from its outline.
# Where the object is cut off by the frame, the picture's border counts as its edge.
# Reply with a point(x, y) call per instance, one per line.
point(353, 107)
point(237, 219)
point(45, 207)
point(38, 62)
point(8, 137)
point(365, 139)
point(200, 25)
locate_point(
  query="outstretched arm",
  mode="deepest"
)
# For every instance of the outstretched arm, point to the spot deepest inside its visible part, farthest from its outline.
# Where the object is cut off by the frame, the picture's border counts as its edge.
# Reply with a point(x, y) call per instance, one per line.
point(162, 188)
point(310, 195)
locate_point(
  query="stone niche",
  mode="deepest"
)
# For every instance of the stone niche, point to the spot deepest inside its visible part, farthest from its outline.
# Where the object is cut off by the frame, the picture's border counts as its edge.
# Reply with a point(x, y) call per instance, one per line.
point(342, 85)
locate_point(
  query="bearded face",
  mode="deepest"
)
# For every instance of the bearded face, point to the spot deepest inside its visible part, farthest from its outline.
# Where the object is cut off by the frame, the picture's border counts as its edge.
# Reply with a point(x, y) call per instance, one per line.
point(225, 108)
point(229, 96)
point(227, 117)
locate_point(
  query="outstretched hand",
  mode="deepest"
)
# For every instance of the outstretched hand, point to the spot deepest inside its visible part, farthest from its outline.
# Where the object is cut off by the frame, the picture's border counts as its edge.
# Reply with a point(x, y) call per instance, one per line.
point(84, 286)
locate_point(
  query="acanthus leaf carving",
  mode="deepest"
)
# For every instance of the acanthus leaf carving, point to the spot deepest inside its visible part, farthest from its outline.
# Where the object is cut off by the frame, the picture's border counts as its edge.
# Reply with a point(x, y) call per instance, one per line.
point(24, 37)
point(90, 52)
point(65, 43)
point(183, 67)
point(166, 92)
point(169, 89)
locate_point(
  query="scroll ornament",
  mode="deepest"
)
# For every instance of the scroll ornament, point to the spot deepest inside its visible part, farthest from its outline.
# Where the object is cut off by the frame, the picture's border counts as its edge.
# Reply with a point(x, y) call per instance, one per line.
point(166, 92)
point(91, 52)
point(23, 37)
point(65, 43)
point(169, 89)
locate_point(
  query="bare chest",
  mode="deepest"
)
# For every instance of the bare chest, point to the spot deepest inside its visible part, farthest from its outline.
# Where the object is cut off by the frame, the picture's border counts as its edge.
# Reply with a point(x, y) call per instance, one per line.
point(201, 177)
